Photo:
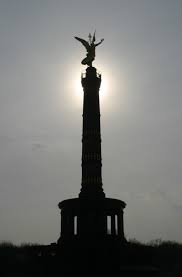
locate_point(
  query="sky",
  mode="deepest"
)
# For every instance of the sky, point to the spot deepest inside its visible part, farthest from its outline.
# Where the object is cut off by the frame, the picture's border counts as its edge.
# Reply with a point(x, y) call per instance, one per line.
point(41, 106)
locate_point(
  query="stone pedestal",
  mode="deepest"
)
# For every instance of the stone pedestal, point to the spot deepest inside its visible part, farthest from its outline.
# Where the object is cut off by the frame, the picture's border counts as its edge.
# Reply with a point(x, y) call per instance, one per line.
point(93, 218)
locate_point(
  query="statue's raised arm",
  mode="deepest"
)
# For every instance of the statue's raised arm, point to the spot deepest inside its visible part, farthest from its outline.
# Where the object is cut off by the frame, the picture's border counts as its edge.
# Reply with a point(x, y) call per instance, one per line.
point(99, 42)
point(90, 47)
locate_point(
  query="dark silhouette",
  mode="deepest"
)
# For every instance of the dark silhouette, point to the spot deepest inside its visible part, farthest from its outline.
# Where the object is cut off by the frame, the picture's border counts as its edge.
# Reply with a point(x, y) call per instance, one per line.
point(152, 259)
point(85, 220)
point(92, 231)
point(90, 47)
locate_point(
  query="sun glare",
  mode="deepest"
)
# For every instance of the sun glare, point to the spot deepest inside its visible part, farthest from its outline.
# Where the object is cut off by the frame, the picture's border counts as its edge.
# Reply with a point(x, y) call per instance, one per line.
point(78, 90)
point(107, 102)
point(104, 88)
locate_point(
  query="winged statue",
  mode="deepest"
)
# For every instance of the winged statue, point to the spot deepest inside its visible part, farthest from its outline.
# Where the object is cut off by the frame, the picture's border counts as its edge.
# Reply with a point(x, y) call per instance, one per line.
point(90, 46)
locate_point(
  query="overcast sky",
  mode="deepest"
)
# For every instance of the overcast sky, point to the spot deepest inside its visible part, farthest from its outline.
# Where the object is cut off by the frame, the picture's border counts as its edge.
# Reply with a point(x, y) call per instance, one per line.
point(41, 107)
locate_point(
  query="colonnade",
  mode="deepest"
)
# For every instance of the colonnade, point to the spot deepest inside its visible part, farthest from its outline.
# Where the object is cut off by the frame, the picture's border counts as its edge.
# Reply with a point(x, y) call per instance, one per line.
point(70, 224)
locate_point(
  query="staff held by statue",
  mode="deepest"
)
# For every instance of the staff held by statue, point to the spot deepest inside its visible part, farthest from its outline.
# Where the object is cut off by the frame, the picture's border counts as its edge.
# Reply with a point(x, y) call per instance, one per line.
point(90, 47)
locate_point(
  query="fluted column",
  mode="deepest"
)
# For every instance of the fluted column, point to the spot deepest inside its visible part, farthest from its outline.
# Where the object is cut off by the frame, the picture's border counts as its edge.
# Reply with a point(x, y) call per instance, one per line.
point(91, 138)
point(119, 224)
point(71, 224)
point(63, 223)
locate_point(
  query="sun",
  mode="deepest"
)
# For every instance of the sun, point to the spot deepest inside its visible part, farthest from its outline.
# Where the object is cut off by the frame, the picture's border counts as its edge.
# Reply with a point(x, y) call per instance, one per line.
point(75, 89)
point(78, 90)
point(104, 88)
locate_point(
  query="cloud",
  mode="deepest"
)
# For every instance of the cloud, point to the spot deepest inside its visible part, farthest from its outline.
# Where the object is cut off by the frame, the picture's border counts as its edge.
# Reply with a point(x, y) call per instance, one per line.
point(38, 146)
point(170, 199)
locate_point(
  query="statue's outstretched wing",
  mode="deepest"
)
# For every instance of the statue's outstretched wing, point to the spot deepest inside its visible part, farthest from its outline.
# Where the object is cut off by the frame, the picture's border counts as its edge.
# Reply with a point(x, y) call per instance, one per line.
point(84, 42)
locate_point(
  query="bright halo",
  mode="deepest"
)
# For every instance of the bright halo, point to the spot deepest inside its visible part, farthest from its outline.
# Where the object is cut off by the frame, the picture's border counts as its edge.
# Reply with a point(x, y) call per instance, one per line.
point(78, 90)
point(74, 87)
point(104, 88)
point(111, 98)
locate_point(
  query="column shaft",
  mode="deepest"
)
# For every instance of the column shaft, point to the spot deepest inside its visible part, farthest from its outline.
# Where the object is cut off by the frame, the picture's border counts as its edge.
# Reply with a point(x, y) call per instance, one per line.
point(119, 218)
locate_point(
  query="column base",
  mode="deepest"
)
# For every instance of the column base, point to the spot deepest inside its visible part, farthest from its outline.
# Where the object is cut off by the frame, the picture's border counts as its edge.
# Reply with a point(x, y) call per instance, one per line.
point(91, 218)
